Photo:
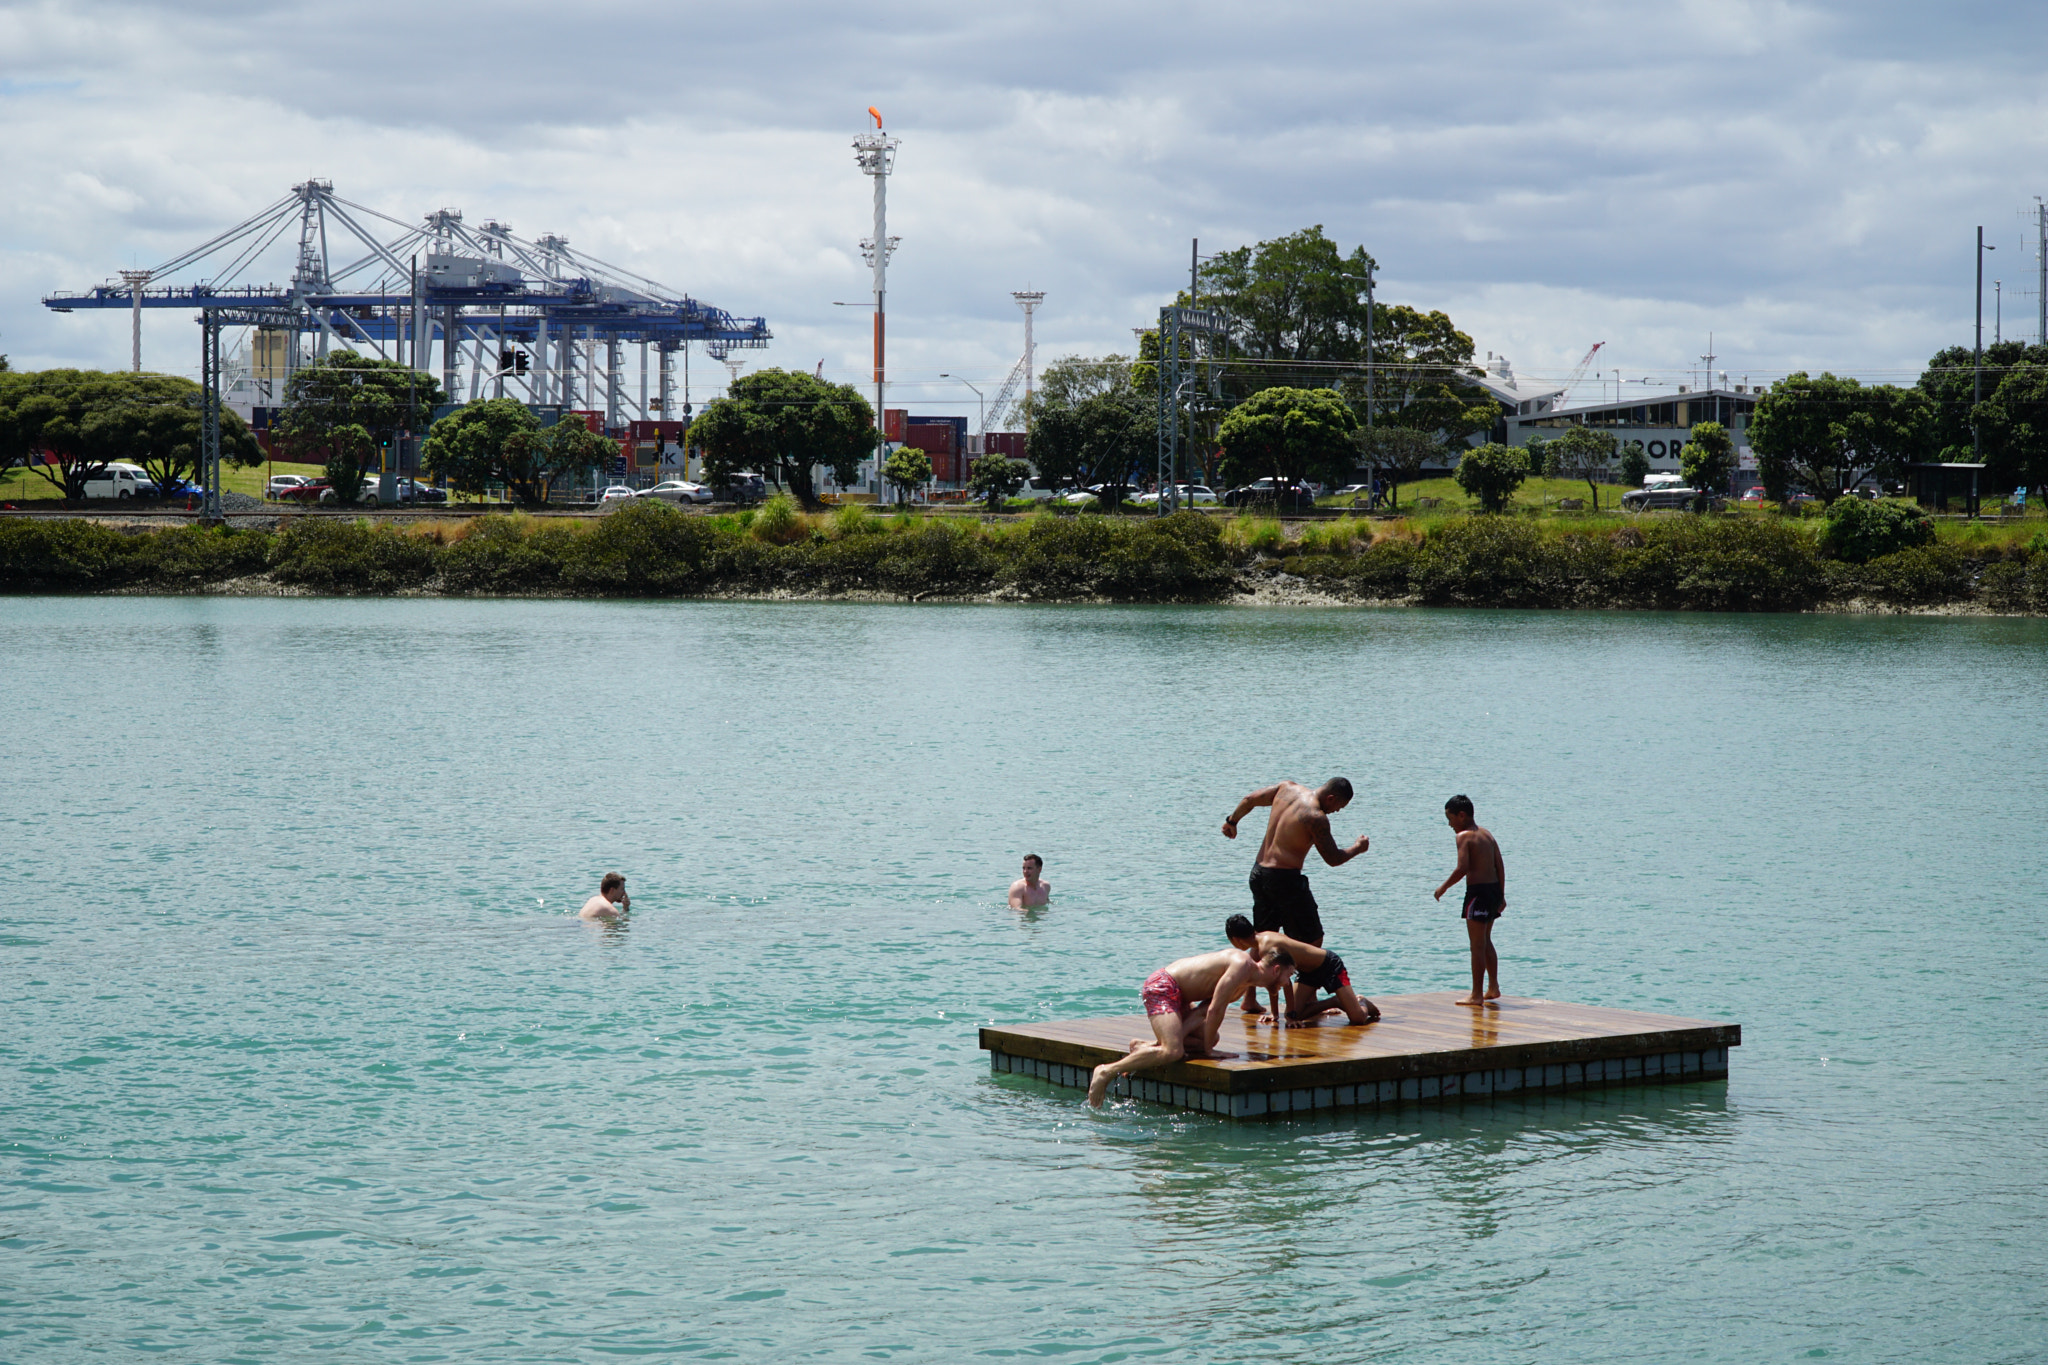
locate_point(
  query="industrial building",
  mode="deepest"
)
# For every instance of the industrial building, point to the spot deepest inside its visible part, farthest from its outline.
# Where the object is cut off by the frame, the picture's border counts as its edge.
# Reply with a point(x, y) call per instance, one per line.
point(1659, 423)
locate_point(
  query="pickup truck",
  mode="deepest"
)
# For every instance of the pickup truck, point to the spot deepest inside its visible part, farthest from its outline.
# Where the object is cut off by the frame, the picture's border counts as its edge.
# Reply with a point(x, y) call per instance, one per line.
point(121, 481)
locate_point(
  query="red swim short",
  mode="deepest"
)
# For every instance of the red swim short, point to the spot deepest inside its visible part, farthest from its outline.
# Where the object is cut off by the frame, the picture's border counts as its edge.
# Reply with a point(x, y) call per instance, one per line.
point(1161, 994)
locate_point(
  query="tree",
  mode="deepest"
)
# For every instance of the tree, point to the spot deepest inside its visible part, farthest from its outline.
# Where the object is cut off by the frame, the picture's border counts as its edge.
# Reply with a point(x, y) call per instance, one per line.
point(385, 400)
point(787, 420)
point(1860, 531)
point(497, 441)
point(1289, 435)
point(1074, 379)
point(1397, 452)
point(1635, 464)
point(1830, 434)
point(66, 425)
point(1708, 461)
point(908, 468)
point(351, 452)
point(1581, 453)
point(564, 448)
point(1105, 435)
point(1949, 383)
point(1292, 298)
point(996, 478)
point(1492, 473)
point(2014, 423)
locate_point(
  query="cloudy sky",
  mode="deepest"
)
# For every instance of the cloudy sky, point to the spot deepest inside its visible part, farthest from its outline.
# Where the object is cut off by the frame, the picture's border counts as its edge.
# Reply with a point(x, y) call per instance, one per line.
point(1802, 181)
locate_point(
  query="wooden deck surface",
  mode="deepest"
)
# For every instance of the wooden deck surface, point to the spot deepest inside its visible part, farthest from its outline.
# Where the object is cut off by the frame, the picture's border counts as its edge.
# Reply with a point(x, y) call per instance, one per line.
point(1417, 1035)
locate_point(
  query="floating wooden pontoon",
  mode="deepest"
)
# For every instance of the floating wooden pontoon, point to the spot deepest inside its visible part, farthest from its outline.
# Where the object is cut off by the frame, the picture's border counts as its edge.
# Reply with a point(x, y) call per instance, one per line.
point(1424, 1047)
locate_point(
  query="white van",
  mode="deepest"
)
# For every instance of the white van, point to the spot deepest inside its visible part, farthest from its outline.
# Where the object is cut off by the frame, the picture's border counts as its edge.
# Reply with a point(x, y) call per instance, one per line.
point(121, 481)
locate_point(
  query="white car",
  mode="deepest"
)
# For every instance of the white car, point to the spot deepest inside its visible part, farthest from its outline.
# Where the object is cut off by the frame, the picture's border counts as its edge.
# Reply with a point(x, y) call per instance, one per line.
point(275, 489)
point(1079, 497)
point(121, 481)
point(1034, 491)
point(618, 492)
point(678, 490)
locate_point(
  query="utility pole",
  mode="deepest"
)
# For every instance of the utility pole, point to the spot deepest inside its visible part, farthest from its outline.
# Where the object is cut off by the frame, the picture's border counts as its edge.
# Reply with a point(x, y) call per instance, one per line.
point(1977, 379)
point(875, 151)
point(2041, 262)
point(135, 279)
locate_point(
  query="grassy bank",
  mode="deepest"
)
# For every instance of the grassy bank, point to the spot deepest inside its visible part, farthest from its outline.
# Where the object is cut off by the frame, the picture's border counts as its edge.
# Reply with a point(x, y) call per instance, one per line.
point(1732, 563)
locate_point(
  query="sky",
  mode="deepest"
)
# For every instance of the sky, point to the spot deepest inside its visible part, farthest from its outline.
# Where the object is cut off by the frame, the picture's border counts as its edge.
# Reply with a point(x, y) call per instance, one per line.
point(1801, 182)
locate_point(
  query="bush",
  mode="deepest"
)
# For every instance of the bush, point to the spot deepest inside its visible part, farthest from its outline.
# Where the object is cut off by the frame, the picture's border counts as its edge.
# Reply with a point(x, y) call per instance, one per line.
point(505, 554)
point(650, 547)
point(39, 556)
point(192, 556)
point(1492, 473)
point(330, 554)
point(1920, 577)
point(1486, 561)
point(1858, 531)
point(779, 522)
point(855, 519)
point(1250, 535)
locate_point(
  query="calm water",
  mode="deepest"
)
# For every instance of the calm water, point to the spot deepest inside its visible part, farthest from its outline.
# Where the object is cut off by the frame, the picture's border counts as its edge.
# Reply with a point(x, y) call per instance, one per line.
point(303, 1060)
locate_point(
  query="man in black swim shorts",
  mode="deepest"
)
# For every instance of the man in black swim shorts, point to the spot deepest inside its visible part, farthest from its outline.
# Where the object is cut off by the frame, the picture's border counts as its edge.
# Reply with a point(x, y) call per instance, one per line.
point(1316, 970)
point(1281, 900)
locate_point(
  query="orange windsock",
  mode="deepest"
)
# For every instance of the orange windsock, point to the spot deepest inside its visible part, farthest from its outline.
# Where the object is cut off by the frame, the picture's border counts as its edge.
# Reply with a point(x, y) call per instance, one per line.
point(876, 115)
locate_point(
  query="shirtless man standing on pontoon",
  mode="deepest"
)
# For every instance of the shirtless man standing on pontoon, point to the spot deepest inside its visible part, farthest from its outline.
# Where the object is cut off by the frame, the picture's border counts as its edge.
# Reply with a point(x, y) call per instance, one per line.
point(1300, 821)
point(1178, 1001)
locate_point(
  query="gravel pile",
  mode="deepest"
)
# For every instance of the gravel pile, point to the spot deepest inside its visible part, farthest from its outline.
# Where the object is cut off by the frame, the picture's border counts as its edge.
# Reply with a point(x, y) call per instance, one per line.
point(240, 502)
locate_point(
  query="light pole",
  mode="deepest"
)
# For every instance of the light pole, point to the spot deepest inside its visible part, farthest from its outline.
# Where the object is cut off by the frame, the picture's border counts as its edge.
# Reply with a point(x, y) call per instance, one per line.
point(876, 153)
point(977, 398)
point(1977, 376)
point(1370, 266)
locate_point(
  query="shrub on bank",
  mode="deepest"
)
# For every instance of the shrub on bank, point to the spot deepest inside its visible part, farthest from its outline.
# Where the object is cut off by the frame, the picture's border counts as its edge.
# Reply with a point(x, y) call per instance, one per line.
point(337, 555)
point(61, 556)
point(1860, 531)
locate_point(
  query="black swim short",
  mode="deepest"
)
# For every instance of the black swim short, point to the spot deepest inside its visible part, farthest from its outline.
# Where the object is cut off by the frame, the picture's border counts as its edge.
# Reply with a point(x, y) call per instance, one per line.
point(1329, 975)
point(1483, 901)
point(1281, 901)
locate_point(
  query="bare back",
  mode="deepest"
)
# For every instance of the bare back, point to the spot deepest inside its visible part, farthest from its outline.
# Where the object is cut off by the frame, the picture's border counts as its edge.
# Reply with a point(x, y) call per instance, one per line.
point(1199, 976)
point(1479, 857)
point(1296, 825)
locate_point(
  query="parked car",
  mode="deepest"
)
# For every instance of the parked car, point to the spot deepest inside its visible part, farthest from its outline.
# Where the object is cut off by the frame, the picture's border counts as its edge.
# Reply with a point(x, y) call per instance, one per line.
point(1078, 497)
point(121, 481)
point(1666, 498)
point(1284, 496)
point(741, 487)
point(317, 490)
point(1034, 491)
point(180, 490)
point(280, 484)
point(678, 490)
point(1755, 495)
point(618, 492)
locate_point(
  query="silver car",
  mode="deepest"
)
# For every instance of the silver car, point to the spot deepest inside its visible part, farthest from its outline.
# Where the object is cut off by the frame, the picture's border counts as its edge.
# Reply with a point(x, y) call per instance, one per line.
point(678, 490)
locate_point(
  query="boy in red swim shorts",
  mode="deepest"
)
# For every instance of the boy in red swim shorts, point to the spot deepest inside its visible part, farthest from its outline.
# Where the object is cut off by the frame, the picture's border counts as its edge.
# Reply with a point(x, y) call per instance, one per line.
point(1185, 1003)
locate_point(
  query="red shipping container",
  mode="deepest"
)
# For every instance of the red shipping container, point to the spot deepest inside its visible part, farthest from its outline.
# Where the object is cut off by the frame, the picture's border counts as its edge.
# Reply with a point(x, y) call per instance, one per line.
point(936, 439)
point(892, 423)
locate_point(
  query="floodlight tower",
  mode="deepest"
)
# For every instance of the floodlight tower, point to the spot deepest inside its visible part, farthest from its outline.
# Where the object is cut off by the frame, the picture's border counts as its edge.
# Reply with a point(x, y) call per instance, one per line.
point(1028, 300)
point(876, 153)
point(135, 279)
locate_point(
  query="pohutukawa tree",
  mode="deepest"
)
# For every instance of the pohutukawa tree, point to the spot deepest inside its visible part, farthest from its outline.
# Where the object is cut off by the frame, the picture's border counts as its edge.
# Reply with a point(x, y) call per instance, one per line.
point(1830, 434)
point(67, 425)
point(382, 398)
point(787, 421)
point(1289, 435)
point(499, 441)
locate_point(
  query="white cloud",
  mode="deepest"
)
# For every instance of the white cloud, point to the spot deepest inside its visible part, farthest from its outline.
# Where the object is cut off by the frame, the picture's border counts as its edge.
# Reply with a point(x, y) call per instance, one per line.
point(1800, 179)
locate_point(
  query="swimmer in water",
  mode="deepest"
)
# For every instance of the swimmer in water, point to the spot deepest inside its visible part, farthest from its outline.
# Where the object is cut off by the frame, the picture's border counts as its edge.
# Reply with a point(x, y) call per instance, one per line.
point(1028, 891)
point(611, 899)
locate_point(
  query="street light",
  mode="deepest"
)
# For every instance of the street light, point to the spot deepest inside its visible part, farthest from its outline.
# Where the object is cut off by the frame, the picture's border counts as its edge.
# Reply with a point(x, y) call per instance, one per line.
point(977, 395)
point(1977, 375)
point(1370, 266)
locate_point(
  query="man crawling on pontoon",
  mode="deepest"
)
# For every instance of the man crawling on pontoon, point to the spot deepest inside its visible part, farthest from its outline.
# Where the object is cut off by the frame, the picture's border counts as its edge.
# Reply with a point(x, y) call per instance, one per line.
point(1315, 970)
point(1185, 1002)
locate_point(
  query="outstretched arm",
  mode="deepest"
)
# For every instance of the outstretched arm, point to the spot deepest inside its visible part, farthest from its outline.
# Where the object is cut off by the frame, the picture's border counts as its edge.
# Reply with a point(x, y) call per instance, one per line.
point(1262, 797)
point(1237, 978)
point(1464, 856)
point(1326, 844)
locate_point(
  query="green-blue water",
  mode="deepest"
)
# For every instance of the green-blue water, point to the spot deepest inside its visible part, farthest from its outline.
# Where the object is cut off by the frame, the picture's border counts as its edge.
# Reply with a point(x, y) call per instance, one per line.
point(297, 1065)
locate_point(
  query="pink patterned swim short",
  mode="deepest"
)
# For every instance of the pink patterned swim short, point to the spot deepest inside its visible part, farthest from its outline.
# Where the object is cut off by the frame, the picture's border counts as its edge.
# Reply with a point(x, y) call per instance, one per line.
point(1161, 994)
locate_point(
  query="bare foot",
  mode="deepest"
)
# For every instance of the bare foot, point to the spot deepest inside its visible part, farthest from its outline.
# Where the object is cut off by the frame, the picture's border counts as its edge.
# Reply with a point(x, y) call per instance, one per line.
point(1493, 994)
point(1470, 1000)
point(1098, 1085)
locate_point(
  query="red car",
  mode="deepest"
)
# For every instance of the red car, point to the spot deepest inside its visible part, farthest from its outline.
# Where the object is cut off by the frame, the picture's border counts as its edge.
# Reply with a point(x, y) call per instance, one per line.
point(317, 491)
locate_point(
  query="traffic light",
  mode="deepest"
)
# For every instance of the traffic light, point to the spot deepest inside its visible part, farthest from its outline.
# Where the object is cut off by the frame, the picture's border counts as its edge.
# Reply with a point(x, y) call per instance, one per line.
point(507, 358)
point(519, 362)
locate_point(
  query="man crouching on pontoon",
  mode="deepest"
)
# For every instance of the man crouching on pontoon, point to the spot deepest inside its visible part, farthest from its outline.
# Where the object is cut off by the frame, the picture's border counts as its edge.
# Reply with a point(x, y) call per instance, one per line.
point(1178, 1001)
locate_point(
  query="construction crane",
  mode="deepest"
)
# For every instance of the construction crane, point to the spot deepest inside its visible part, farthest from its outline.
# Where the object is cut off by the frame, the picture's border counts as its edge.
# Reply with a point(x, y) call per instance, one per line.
point(1003, 397)
point(1584, 365)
